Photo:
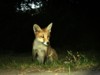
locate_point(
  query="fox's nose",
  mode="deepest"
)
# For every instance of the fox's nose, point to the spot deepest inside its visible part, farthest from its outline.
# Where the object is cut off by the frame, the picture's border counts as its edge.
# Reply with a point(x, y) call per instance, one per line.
point(46, 43)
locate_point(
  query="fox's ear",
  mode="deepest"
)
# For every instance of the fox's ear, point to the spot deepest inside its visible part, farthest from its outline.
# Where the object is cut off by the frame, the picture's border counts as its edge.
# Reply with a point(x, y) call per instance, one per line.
point(36, 28)
point(49, 27)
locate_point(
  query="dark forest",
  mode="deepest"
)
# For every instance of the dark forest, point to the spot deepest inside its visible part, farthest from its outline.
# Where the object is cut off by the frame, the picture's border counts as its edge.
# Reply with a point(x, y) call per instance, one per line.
point(75, 25)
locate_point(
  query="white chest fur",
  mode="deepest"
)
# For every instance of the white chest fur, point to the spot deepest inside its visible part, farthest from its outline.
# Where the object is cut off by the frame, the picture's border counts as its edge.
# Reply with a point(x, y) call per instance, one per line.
point(41, 48)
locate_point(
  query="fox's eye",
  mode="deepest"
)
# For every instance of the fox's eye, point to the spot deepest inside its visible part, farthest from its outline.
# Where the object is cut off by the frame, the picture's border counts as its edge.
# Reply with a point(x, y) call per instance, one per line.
point(42, 36)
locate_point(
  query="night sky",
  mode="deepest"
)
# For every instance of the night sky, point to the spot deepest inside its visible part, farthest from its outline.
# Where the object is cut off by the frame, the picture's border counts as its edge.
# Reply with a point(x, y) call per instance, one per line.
point(75, 25)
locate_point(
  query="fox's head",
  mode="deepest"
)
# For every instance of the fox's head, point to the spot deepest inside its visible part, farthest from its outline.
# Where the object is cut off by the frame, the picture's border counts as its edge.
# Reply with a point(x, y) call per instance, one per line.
point(42, 34)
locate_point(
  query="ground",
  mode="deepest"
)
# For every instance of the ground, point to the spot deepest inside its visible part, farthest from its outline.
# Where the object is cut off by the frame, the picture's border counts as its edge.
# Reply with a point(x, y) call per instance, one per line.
point(69, 63)
point(30, 72)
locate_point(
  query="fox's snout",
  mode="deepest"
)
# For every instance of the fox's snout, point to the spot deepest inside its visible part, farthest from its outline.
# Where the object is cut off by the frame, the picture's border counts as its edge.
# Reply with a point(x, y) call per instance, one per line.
point(44, 40)
point(46, 43)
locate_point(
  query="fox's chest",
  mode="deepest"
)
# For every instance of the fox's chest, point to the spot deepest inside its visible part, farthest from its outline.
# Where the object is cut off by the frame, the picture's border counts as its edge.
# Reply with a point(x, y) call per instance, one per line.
point(40, 49)
point(39, 46)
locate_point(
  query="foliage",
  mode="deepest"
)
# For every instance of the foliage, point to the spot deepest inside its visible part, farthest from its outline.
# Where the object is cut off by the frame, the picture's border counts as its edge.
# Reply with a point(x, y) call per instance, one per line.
point(72, 61)
point(30, 6)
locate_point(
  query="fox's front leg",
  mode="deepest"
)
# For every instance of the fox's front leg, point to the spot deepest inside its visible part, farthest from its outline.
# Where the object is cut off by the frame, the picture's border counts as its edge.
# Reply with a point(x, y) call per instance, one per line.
point(41, 59)
point(34, 55)
point(41, 56)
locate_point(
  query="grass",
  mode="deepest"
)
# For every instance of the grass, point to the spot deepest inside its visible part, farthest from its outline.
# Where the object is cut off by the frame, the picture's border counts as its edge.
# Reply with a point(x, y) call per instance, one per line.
point(69, 61)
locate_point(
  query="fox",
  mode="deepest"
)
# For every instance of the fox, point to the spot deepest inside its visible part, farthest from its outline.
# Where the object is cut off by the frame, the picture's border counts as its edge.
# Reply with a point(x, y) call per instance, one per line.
point(41, 48)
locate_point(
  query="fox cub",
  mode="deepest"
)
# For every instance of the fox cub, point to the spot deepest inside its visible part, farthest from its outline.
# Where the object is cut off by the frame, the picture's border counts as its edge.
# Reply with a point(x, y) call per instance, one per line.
point(42, 51)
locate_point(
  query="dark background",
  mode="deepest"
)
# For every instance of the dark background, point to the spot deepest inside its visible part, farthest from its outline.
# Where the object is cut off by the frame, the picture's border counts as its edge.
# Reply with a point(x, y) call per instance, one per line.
point(75, 25)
